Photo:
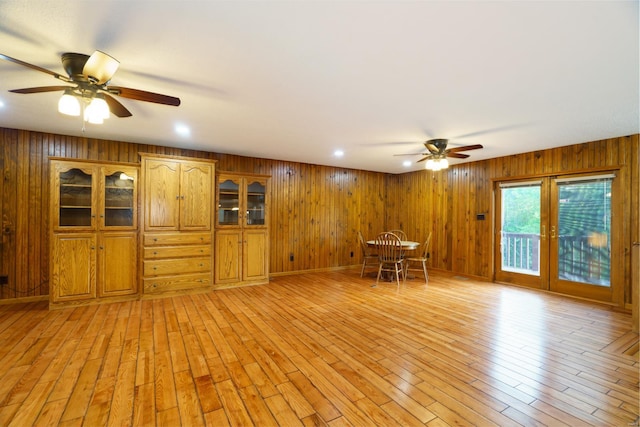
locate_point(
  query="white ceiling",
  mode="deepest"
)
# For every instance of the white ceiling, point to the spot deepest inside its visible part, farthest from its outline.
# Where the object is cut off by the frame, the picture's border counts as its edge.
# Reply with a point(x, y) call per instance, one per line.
point(296, 80)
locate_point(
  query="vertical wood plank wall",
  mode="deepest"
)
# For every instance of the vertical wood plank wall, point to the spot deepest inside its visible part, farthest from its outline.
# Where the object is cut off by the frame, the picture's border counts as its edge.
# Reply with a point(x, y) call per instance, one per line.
point(446, 203)
point(315, 210)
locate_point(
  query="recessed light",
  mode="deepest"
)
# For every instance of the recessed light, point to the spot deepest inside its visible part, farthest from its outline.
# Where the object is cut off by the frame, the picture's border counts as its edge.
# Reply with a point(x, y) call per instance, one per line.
point(338, 153)
point(406, 163)
point(182, 130)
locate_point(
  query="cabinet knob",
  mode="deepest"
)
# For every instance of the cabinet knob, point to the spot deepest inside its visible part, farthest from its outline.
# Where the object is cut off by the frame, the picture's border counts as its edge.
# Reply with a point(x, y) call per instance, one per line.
point(101, 216)
point(155, 268)
point(155, 253)
point(101, 247)
point(93, 248)
point(177, 197)
point(155, 239)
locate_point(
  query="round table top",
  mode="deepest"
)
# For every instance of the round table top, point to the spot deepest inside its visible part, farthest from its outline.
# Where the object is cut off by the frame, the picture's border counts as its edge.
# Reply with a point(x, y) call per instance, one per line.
point(406, 244)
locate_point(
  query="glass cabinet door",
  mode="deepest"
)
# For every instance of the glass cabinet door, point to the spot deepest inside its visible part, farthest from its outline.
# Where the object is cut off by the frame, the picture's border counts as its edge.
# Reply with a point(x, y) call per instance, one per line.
point(255, 203)
point(76, 199)
point(229, 202)
point(119, 199)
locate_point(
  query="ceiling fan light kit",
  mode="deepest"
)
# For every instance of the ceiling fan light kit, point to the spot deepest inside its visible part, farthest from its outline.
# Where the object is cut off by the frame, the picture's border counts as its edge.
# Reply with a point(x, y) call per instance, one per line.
point(437, 164)
point(69, 104)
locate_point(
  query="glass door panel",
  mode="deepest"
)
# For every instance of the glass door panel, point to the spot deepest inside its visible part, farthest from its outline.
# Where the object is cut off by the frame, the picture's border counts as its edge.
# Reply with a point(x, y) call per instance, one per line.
point(255, 203)
point(581, 236)
point(76, 199)
point(119, 200)
point(521, 238)
point(229, 203)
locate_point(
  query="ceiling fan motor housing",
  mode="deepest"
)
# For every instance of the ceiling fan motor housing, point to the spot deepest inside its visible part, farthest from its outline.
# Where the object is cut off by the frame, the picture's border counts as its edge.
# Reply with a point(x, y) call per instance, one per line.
point(73, 64)
point(439, 143)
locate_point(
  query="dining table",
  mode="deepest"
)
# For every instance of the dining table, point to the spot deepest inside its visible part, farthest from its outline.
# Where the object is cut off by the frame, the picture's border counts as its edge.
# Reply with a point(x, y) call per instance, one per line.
point(406, 245)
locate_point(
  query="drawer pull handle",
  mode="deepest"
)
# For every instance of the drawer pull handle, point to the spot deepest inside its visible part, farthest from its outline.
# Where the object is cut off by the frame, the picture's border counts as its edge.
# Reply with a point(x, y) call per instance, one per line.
point(155, 253)
point(155, 239)
point(155, 268)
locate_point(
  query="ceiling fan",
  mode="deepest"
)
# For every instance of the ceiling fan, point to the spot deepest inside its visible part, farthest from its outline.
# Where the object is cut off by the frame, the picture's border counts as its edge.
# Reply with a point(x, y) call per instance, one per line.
point(88, 77)
point(437, 153)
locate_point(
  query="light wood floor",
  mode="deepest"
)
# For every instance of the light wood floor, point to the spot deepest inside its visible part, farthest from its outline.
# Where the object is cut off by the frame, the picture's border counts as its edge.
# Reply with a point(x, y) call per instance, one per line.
point(323, 349)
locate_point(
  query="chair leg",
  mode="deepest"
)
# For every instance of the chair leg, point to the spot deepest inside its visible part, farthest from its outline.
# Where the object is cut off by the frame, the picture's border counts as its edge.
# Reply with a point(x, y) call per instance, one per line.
point(379, 272)
point(426, 273)
point(363, 264)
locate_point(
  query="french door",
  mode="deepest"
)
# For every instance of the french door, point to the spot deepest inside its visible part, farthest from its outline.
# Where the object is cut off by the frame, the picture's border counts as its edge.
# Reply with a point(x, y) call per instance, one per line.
point(558, 234)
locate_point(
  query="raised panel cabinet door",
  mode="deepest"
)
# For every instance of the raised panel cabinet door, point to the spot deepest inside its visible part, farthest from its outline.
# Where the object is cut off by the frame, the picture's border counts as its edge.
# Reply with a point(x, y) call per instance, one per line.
point(195, 196)
point(117, 253)
point(255, 254)
point(228, 256)
point(161, 195)
point(74, 266)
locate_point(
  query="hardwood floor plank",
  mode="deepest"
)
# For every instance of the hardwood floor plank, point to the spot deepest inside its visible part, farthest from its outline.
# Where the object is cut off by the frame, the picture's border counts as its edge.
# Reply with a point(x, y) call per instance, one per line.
point(233, 404)
point(257, 406)
point(323, 349)
point(82, 391)
point(188, 402)
point(282, 412)
point(164, 382)
point(144, 409)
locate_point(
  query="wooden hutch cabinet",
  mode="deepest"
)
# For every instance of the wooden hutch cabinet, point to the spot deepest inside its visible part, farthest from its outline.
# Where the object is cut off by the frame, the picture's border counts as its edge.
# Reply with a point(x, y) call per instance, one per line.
point(177, 232)
point(94, 231)
point(242, 234)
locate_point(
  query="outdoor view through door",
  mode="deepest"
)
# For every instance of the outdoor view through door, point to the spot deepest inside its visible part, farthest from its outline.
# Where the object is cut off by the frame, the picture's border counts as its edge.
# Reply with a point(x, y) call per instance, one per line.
point(555, 233)
point(584, 231)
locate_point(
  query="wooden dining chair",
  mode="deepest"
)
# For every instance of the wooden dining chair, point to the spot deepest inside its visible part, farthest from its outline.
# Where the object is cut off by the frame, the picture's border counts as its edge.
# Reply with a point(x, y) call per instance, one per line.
point(422, 259)
point(369, 256)
point(390, 257)
point(401, 234)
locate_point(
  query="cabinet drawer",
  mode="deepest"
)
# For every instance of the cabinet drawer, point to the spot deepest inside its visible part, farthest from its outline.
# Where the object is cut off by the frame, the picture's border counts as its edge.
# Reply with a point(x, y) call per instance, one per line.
point(167, 284)
point(170, 239)
point(164, 267)
point(157, 252)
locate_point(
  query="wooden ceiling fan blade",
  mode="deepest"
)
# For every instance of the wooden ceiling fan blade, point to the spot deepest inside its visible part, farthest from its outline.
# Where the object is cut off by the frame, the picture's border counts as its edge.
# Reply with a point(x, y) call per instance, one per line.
point(465, 148)
point(116, 108)
point(423, 159)
point(143, 95)
point(100, 67)
point(35, 67)
point(40, 89)
point(457, 155)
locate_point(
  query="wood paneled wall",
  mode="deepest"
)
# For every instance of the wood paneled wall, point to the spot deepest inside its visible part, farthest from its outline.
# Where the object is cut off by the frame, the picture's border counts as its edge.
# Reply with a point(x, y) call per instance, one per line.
point(446, 203)
point(315, 210)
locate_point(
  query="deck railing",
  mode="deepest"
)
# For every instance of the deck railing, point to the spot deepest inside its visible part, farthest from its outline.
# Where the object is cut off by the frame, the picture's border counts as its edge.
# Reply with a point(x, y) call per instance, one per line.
point(521, 252)
point(584, 259)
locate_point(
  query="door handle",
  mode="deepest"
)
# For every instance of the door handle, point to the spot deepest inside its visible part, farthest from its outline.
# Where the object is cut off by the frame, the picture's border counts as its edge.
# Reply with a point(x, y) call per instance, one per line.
point(543, 235)
point(553, 231)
